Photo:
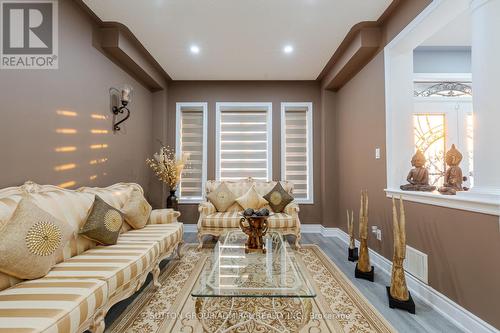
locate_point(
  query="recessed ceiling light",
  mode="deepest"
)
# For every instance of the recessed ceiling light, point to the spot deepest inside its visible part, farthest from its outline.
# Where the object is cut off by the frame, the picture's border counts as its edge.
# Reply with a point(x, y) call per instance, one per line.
point(288, 49)
point(195, 49)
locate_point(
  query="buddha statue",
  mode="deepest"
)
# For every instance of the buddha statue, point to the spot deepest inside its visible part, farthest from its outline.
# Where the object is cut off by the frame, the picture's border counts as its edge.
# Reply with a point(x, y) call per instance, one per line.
point(453, 177)
point(418, 177)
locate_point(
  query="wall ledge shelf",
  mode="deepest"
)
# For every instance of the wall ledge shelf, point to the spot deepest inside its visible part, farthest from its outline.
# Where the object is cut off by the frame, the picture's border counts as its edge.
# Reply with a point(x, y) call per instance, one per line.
point(487, 203)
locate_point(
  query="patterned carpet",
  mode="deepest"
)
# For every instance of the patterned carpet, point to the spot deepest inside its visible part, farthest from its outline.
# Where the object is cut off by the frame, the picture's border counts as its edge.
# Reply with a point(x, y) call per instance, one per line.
point(338, 306)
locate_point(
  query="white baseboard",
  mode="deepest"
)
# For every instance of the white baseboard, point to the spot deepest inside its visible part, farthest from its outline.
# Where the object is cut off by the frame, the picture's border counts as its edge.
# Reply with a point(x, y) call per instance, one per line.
point(455, 313)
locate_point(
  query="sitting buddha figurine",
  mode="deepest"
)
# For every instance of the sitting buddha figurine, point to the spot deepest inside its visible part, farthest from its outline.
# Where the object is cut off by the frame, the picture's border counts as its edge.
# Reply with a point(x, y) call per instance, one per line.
point(453, 177)
point(418, 177)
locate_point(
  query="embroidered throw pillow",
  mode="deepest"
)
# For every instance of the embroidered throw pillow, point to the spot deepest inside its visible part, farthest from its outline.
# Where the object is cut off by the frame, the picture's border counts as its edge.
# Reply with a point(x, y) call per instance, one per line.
point(103, 223)
point(222, 197)
point(30, 241)
point(278, 198)
point(251, 199)
point(136, 210)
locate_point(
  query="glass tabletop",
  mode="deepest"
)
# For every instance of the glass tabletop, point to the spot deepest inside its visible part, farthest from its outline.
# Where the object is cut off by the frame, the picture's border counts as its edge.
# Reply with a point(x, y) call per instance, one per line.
point(232, 272)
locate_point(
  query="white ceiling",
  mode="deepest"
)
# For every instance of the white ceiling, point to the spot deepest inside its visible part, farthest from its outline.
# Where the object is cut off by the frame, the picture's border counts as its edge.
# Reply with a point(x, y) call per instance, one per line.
point(456, 33)
point(240, 39)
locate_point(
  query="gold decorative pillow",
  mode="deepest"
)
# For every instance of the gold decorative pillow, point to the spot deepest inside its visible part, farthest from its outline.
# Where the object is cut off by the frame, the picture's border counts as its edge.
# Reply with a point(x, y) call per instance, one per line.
point(251, 199)
point(136, 210)
point(103, 223)
point(222, 197)
point(278, 198)
point(30, 241)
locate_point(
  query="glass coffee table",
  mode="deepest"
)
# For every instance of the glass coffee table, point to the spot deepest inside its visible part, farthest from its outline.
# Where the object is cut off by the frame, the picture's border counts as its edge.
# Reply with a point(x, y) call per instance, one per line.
point(234, 273)
point(237, 290)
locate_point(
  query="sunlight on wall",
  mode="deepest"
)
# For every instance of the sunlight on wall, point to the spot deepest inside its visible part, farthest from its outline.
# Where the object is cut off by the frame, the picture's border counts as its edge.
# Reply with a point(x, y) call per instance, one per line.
point(99, 131)
point(99, 146)
point(66, 131)
point(67, 184)
point(65, 149)
point(66, 113)
point(98, 161)
point(98, 116)
point(64, 167)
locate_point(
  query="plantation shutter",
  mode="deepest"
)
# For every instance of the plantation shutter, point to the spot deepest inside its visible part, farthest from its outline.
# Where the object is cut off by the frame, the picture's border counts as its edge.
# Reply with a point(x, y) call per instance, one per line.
point(192, 143)
point(243, 144)
point(296, 155)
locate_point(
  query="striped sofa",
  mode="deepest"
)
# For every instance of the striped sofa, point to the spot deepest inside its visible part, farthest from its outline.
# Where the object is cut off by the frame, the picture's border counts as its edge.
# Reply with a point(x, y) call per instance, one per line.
point(211, 222)
point(87, 279)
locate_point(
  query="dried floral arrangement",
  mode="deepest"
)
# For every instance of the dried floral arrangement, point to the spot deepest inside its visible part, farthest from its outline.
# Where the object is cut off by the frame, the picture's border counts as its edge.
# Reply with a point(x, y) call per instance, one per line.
point(167, 167)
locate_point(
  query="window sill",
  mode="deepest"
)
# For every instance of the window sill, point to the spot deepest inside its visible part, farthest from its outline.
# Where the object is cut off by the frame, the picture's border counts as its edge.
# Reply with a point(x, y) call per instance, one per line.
point(304, 202)
point(190, 201)
point(470, 201)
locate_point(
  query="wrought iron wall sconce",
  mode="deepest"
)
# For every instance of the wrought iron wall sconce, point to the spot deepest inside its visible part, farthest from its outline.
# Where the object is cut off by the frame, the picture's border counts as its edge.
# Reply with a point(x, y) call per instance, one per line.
point(120, 96)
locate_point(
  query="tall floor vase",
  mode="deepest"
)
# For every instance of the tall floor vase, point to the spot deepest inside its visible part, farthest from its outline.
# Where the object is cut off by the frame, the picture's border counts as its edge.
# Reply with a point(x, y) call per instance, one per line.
point(173, 201)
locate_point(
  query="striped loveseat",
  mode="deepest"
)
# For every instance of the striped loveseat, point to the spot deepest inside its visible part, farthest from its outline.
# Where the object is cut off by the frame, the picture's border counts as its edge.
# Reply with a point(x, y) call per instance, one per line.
point(87, 279)
point(215, 223)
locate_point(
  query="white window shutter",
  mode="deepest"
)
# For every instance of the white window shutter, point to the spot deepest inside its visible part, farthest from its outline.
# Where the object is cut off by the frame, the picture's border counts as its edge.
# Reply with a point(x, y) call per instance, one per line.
point(243, 145)
point(191, 141)
point(296, 148)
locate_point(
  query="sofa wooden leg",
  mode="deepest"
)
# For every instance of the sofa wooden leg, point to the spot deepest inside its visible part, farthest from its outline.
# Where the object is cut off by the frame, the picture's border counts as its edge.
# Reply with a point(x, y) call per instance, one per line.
point(156, 275)
point(179, 249)
point(297, 241)
point(200, 241)
point(98, 324)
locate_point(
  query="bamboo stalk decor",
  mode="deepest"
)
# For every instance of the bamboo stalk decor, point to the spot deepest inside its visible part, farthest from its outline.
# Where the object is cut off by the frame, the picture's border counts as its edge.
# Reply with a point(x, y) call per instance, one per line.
point(399, 290)
point(364, 257)
point(352, 253)
point(350, 229)
point(398, 294)
point(363, 268)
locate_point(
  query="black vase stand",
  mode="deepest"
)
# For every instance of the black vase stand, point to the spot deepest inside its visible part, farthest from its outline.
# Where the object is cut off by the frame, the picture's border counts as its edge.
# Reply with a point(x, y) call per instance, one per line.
point(408, 305)
point(362, 275)
point(353, 254)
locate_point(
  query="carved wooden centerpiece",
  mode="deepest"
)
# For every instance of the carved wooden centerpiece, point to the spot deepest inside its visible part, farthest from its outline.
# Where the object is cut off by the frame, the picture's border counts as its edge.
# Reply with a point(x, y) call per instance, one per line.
point(254, 224)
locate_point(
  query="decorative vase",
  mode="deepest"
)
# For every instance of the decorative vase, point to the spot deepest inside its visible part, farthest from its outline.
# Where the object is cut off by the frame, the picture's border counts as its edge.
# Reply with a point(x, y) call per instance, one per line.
point(173, 201)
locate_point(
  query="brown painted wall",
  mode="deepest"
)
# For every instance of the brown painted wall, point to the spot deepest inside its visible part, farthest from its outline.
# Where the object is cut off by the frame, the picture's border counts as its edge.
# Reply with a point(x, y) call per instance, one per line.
point(251, 91)
point(29, 119)
point(463, 248)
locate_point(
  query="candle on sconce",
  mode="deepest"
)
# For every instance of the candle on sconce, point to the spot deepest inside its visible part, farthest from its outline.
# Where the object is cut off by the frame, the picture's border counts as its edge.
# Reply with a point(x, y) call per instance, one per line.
point(125, 95)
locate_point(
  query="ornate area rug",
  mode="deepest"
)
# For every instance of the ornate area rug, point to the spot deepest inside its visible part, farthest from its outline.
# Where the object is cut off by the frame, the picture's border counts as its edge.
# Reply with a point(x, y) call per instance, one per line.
point(338, 306)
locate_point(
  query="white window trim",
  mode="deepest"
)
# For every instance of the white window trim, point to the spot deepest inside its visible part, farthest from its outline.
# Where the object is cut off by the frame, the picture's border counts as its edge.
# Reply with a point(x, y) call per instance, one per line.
point(178, 110)
point(220, 106)
point(310, 179)
point(398, 55)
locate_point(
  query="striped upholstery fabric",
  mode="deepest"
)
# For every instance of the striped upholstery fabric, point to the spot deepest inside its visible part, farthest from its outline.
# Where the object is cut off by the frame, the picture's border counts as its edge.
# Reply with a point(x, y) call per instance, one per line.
point(116, 264)
point(163, 216)
point(50, 305)
point(210, 218)
point(69, 206)
point(239, 188)
point(86, 276)
point(165, 234)
point(115, 195)
point(232, 220)
point(242, 186)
